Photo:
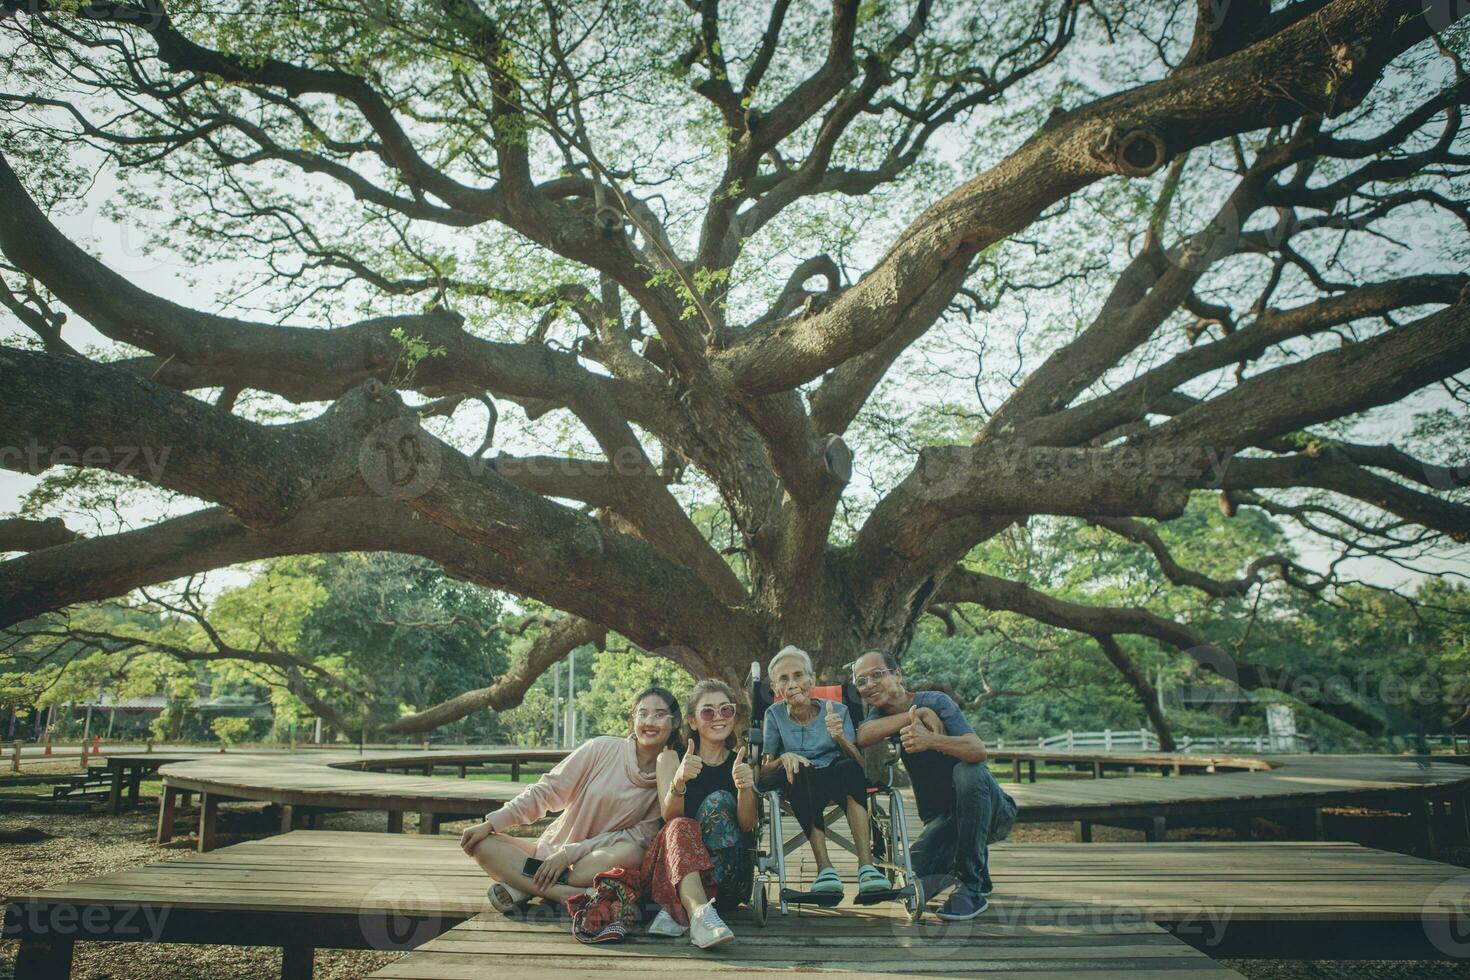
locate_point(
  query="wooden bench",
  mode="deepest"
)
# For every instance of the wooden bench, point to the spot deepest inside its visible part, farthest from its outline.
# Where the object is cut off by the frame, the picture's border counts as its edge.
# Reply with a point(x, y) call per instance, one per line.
point(77, 786)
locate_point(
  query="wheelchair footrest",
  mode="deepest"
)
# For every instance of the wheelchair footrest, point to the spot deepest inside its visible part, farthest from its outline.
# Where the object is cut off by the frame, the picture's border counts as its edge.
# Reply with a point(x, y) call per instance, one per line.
point(825, 899)
point(885, 895)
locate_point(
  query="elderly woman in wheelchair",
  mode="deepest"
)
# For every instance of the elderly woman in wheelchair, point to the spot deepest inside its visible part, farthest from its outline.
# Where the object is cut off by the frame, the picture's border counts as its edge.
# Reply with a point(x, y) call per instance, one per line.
point(810, 757)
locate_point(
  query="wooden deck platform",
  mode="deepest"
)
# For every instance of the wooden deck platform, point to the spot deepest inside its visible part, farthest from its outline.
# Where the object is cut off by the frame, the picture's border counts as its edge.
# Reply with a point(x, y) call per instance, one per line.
point(1297, 786)
point(1119, 909)
point(841, 942)
point(333, 780)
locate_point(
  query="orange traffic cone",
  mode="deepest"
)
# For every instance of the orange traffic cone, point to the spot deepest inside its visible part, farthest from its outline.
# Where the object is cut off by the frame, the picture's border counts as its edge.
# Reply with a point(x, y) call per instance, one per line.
point(96, 744)
point(48, 744)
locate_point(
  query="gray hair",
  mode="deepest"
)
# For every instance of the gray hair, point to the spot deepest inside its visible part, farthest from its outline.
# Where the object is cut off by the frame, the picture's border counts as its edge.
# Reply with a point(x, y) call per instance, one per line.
point(790, 651)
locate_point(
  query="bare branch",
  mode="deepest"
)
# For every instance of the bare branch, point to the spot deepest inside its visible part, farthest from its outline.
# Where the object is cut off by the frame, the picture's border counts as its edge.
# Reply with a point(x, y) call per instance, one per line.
point(549, 647)
point(965, 585)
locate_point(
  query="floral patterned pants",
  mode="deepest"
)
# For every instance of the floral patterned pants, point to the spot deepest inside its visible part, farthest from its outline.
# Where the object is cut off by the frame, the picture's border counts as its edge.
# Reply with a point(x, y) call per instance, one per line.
point(707, 843)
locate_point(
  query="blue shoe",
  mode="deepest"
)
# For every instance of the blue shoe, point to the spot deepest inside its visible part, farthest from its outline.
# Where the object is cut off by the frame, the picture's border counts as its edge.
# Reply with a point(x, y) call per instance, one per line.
point(870, 880)
point(827, 882)
point(963, 904)
point(987, 888)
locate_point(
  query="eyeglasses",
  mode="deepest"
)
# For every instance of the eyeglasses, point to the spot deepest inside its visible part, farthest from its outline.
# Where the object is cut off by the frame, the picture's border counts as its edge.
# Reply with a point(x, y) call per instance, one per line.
point(645, 715)
point(861, 681)
point(709, 711)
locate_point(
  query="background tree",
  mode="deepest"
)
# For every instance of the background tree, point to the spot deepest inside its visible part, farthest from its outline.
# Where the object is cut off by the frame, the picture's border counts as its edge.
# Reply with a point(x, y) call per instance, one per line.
point(1357, 666)
point(618, 676)
point(353, 639)
point(802, 307)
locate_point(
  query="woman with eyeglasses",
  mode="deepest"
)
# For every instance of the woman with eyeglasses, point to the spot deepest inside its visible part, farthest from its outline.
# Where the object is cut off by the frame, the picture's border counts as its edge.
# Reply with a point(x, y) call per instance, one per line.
point(811, 741)
point(708, 798)
point(606, 792)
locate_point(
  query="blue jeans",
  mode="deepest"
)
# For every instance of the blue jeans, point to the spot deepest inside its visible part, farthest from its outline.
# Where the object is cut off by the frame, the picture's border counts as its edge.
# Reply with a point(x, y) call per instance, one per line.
point(958, 843)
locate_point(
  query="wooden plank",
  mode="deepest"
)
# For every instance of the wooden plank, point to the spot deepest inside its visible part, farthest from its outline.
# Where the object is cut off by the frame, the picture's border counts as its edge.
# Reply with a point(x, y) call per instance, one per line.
point(297, 962)
point(326, 779)
point(467, 967)
point(885, 944)
point(166, 804)
point(1084, 910)
point(1259, 880)
point(731, 959)
point(114, 792)
point(208, 820)
point(44, 959)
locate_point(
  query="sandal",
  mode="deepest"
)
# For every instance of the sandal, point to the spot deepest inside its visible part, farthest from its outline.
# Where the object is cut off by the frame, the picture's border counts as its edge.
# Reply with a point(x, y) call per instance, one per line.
point(827, 882)
point(870, 879)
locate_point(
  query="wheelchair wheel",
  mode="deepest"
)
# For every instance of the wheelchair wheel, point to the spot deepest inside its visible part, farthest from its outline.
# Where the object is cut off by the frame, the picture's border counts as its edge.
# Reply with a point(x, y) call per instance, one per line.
point(915, 902)
point(759, 905)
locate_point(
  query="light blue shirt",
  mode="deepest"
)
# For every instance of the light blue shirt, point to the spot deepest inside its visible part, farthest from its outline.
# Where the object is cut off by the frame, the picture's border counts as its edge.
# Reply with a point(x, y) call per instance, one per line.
point(781, 734)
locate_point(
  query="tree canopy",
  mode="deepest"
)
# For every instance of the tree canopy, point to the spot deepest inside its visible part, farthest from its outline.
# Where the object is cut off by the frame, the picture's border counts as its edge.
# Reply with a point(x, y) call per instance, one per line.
point(720, 326)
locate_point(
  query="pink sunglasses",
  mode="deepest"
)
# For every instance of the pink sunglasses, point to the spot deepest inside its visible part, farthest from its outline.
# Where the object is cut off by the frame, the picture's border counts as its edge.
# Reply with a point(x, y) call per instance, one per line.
point(708, 712)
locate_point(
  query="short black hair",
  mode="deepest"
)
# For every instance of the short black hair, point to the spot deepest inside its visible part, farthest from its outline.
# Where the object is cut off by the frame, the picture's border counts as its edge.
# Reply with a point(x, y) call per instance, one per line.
point(888, 659)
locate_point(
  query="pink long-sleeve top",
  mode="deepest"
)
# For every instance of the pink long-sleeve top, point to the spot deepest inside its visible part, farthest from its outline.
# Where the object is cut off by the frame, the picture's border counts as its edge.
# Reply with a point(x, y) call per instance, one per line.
point(602, 797)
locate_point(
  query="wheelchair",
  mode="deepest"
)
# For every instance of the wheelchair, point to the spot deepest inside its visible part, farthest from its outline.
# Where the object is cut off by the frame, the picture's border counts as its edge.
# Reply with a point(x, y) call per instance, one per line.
point(887, 821)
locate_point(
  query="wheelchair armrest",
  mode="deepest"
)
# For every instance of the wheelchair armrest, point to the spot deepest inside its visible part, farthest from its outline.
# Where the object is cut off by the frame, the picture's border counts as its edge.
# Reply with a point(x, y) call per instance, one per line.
point(878, 762)
point(771, 782)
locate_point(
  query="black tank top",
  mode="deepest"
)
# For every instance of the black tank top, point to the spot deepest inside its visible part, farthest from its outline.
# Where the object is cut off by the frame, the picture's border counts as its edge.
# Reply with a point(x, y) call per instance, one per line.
point(711, 779)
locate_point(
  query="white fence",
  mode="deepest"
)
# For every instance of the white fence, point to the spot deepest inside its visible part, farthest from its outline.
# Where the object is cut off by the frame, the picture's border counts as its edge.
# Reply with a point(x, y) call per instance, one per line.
point(1144, 740)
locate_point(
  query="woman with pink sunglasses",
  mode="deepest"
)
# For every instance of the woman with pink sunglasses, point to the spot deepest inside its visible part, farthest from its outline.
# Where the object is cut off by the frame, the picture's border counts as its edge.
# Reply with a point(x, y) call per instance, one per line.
point(707, 797)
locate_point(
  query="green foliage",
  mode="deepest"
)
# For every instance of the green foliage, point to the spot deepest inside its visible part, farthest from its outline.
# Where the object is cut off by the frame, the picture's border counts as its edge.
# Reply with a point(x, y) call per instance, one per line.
point(617, 677)
point(1406, 666)
point(394, 632)
point(413, 350)
point(531, 722)
point(400, 633)
point(231, 730)
point(705, 282)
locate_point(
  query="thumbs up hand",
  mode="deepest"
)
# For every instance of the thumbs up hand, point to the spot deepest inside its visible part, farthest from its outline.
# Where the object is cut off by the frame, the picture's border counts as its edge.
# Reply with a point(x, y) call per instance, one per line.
point(834, 722)
point(689, 767)
point(741, 773)
point(917, 736)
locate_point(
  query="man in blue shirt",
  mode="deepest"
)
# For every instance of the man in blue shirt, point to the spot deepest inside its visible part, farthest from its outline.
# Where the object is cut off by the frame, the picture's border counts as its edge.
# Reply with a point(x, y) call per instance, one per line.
point(961, 804)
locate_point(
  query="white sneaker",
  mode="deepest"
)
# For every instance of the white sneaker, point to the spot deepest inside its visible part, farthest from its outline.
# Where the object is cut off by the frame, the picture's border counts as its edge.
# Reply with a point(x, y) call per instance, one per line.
point(506, 898)
point(707, 929)
point(663, 924)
